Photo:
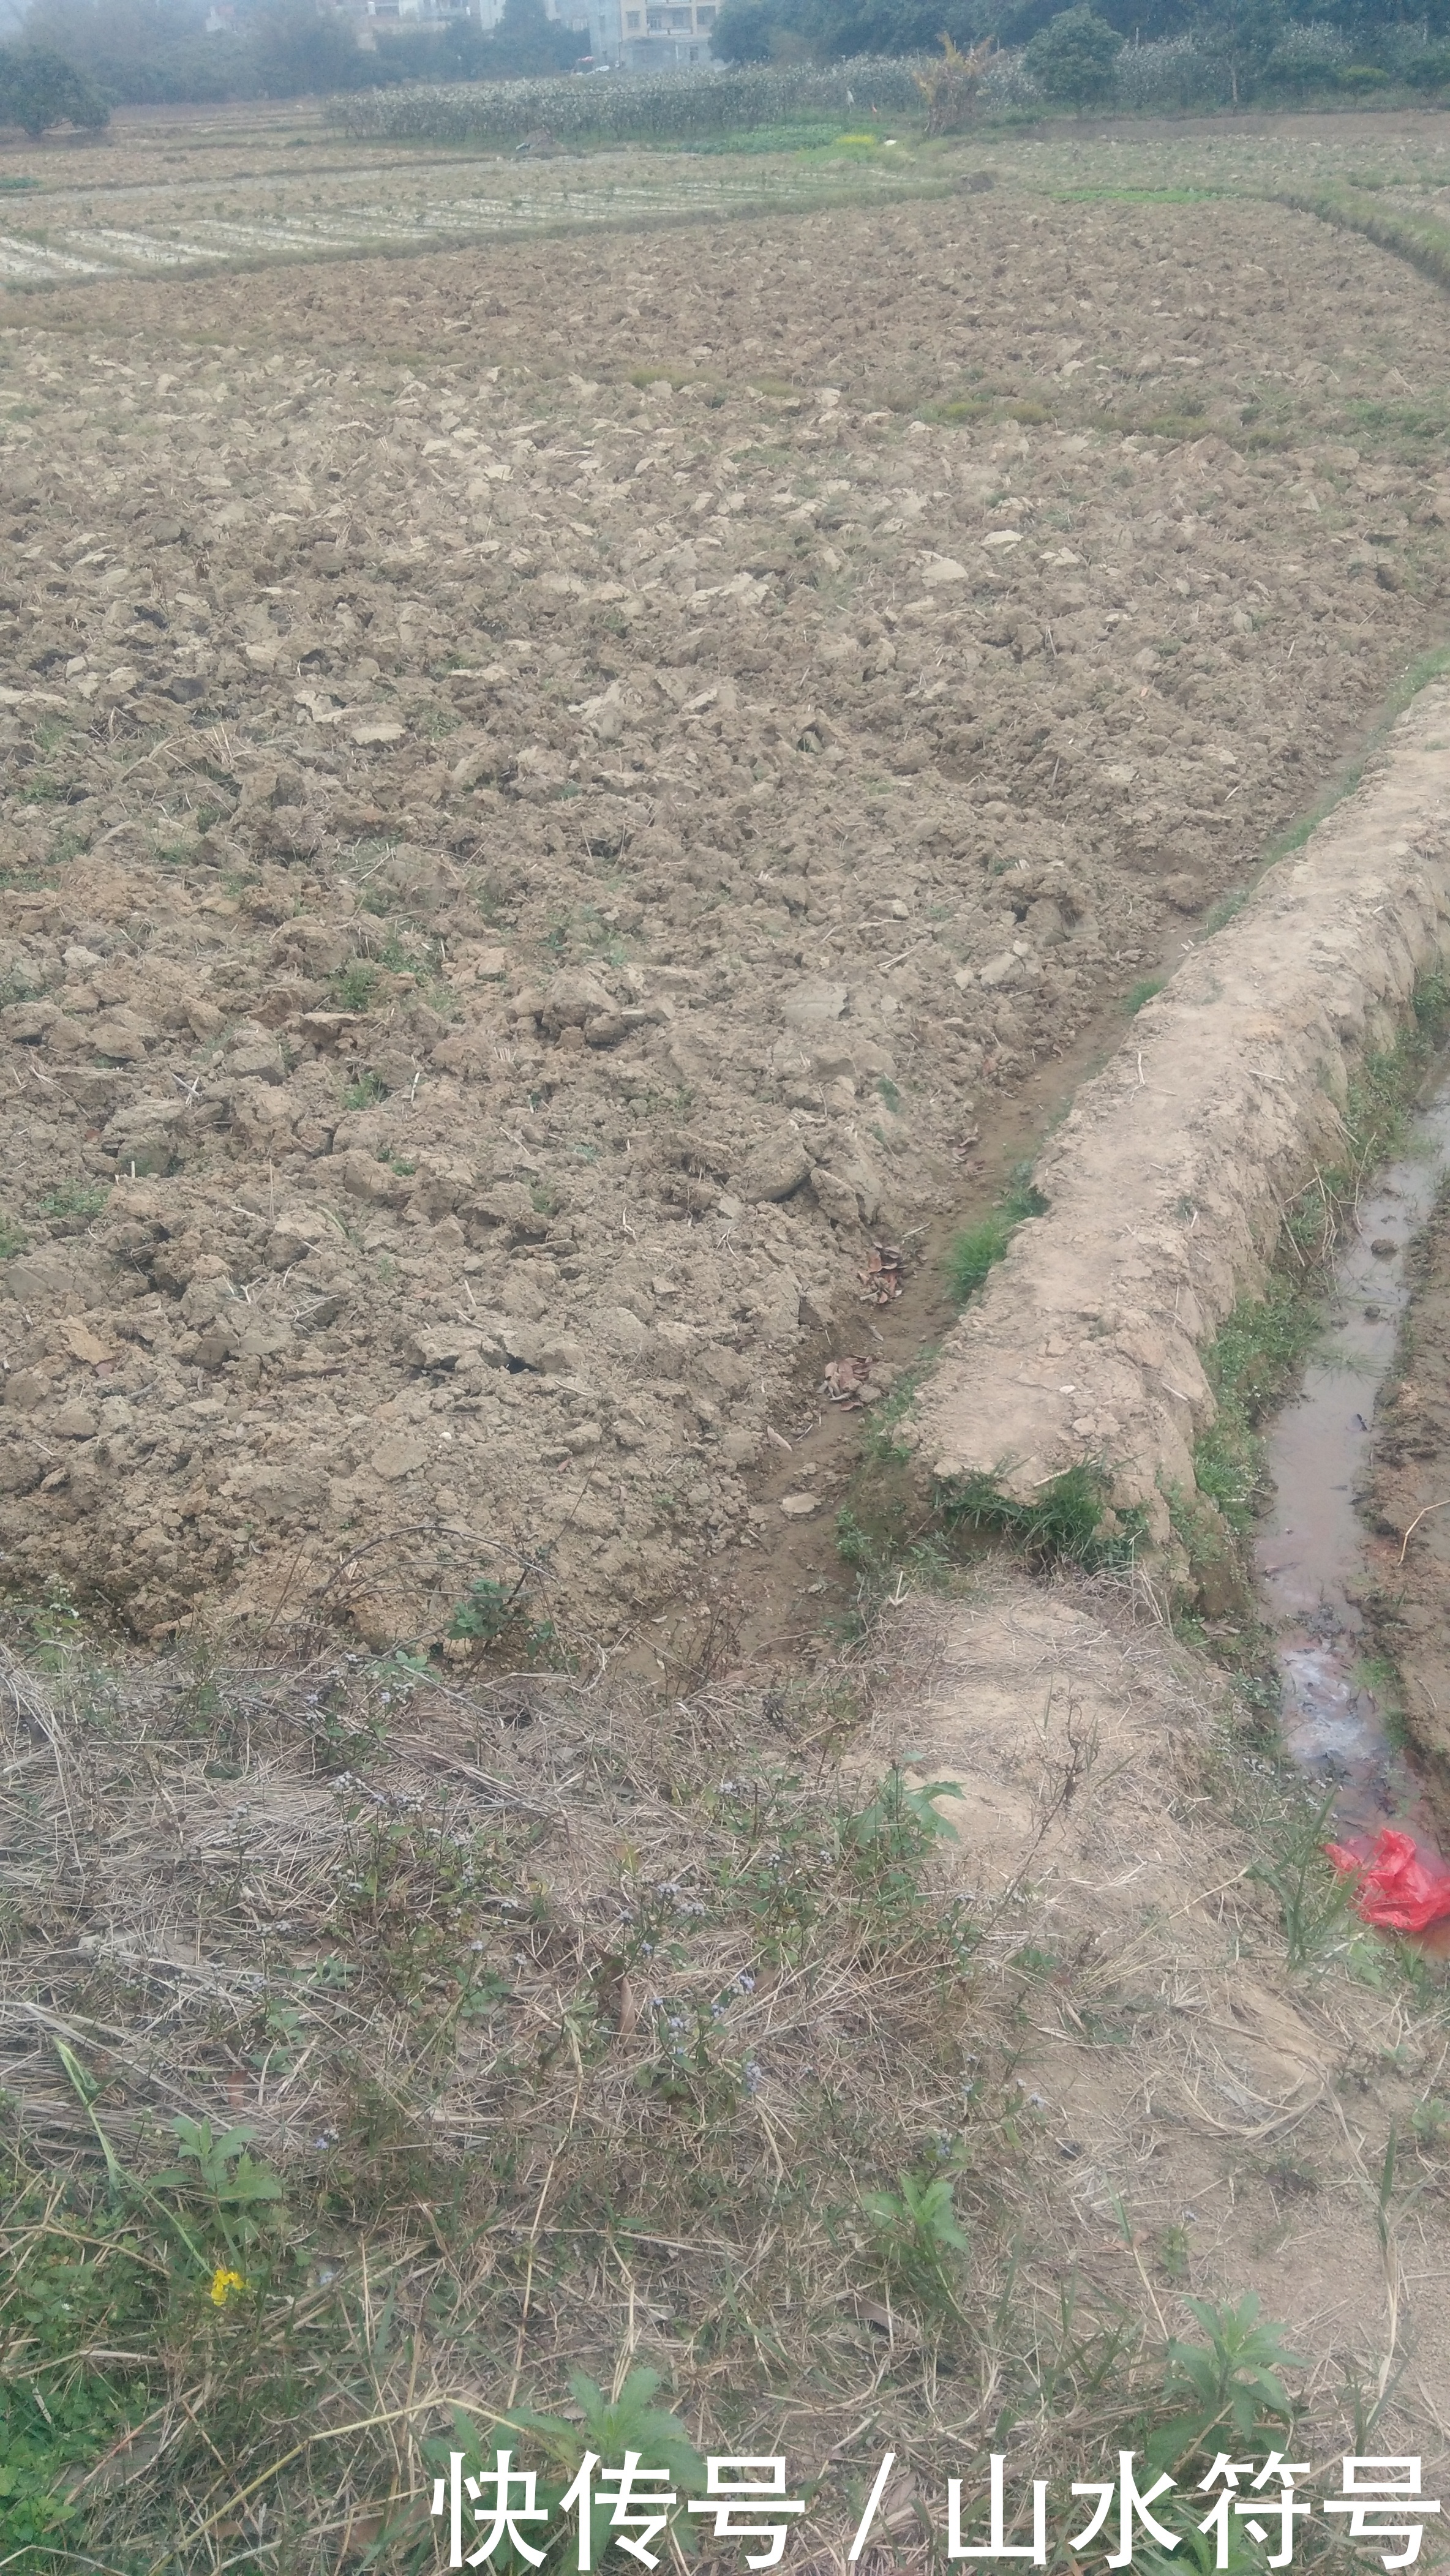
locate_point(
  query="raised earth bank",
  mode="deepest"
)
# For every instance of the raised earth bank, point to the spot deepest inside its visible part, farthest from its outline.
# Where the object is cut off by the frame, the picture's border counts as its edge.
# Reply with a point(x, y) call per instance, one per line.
point(1167, 1184)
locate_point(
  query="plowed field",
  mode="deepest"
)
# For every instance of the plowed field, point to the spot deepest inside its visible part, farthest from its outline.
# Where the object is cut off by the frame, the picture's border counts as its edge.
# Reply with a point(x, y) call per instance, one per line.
point(551, 792)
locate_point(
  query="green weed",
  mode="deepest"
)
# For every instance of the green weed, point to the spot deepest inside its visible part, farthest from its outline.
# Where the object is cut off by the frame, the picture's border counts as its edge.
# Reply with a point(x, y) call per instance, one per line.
point(901, 1820)
point(76, 2279)
point(879, 1440)
point(73, 1202)
point(1069, 1520)
point(1226, 909)
point(1250, 1364)
point(978, 1248)
point(1232, 2382)
point(1313, 1897)
point(484, 1612)
point(356, 986)
point(1146, 991)
point(218, 2184)
point(919, 2238)
point(362, 1094)
point(629, 2423)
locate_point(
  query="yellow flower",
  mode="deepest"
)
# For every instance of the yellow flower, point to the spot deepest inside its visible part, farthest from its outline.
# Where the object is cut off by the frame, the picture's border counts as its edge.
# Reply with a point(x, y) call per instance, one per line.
point(223, 2283)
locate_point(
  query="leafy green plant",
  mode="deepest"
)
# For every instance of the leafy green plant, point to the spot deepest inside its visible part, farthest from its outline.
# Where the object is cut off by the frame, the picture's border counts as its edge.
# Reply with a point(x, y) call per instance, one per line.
point(356, 986)
point(216, 2177)
point(919, 2237)
point(484, 1612)
point(1230, 2383)
point(12, 1238)
point(362, 1094)
point(627, 2420)
point(900, 1819)
point(73, 1200)
point(1314, 1899)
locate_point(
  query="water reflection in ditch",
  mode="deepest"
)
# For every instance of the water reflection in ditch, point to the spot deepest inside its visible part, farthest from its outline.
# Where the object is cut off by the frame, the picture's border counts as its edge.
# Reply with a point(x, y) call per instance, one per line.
point(1309, 1553)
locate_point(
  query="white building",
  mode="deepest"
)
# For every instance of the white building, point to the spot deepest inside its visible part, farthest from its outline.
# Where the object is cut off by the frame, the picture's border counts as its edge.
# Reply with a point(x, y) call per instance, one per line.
point(443, 13)
point(568, 13)
point(651, 35)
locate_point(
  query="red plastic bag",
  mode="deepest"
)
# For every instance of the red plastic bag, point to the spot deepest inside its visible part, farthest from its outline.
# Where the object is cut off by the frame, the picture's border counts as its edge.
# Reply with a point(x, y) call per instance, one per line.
point(1399, 1890)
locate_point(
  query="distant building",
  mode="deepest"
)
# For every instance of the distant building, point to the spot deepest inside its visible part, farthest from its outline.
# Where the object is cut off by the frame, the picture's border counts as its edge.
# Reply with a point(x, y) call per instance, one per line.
point(568, 13)
point(450, 13)
point(650, 35)
point(408, 13)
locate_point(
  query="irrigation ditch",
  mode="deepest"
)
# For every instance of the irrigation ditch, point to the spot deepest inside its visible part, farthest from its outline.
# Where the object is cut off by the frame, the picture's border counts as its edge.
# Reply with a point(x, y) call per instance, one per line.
point(1211, 1213)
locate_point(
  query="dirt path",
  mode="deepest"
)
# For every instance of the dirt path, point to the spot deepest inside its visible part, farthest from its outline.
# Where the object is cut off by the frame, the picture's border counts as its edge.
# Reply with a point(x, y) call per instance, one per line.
point(532, 850)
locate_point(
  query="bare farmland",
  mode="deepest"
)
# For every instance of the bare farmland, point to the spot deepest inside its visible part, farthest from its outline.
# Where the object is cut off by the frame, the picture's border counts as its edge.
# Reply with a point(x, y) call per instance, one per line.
point(553, 791)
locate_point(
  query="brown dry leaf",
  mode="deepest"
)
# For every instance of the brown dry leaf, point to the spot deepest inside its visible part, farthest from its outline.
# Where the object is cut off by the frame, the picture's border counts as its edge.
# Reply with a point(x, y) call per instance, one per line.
point(881, 1280)
point(843, 1380)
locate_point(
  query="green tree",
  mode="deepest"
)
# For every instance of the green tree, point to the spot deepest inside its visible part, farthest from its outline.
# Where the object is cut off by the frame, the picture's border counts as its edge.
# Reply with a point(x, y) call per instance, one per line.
point(303, 51)
point(527, 45)
point(1243, 34)
point(1074, 59)
point(39, 89)
point(743, 30)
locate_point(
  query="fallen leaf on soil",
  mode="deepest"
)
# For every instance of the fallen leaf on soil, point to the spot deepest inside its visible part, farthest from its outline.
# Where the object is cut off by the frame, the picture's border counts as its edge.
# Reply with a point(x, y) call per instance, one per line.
point(843, 1381)
point(881, 1279)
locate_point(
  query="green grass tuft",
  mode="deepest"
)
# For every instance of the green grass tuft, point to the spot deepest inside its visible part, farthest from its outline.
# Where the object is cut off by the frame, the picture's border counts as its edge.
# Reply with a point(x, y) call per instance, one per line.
point(1069, 1520)
point(978, 1248)
point(1250, 1366)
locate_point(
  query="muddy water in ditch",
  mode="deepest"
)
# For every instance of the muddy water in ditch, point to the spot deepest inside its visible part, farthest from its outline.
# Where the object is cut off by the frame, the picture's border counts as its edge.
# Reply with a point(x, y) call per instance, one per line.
point(1310, 1553)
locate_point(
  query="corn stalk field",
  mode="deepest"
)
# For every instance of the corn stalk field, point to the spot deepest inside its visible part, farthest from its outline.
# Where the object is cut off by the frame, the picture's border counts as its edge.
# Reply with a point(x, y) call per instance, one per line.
point(677, 105)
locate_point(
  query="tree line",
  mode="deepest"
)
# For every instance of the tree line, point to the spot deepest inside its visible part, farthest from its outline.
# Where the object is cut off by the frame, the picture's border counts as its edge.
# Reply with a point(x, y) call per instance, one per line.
point(73, 60)
point(829, 30)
